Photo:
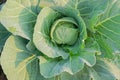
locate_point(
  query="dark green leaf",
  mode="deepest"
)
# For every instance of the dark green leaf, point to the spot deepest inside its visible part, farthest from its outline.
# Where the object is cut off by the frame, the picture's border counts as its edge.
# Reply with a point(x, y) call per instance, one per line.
point(4, 34)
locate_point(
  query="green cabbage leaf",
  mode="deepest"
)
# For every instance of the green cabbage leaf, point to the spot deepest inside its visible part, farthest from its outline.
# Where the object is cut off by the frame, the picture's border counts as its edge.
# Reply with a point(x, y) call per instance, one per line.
point(61, 39)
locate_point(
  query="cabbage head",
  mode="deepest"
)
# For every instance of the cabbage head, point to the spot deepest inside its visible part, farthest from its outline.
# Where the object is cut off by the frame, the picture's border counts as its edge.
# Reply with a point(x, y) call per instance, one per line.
point(61, 39)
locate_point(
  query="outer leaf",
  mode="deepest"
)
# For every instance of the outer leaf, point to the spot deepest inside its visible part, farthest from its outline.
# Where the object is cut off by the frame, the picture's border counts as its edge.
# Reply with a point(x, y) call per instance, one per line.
point(109, 25)
point(88, 57)
point(50, 68)
point(110, 29)
point(72, 65)
point(103, 70)
point(116, 59)
point(107, 46)
point(82, 75)
point(106, 70)
point(3, 36)
point(90, 10)
point(92, 45)
point(46, 3)
point(41, 35)
point(19, 17)
point(16, 59)
point(66, 76)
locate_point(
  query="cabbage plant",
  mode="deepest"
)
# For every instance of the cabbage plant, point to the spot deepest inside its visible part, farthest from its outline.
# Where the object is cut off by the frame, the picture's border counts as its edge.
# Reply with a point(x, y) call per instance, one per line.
point(61, 39)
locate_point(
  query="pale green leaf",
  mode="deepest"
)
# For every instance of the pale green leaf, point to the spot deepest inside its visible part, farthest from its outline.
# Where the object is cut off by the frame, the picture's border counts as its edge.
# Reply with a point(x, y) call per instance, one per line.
point(46, 3)
point(19, 16)
point(17, 62)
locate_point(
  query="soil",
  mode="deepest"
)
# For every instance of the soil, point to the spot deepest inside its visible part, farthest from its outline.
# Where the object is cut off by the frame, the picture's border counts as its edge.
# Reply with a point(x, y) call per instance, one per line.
point(2, 75)
point(2, 1)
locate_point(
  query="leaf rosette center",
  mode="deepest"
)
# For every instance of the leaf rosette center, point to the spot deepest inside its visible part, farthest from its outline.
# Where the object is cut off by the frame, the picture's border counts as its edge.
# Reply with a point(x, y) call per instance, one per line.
point(59, 33)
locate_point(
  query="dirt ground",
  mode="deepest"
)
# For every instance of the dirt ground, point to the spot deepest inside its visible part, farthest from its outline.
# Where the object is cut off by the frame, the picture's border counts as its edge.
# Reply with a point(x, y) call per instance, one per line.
point(2, 76)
